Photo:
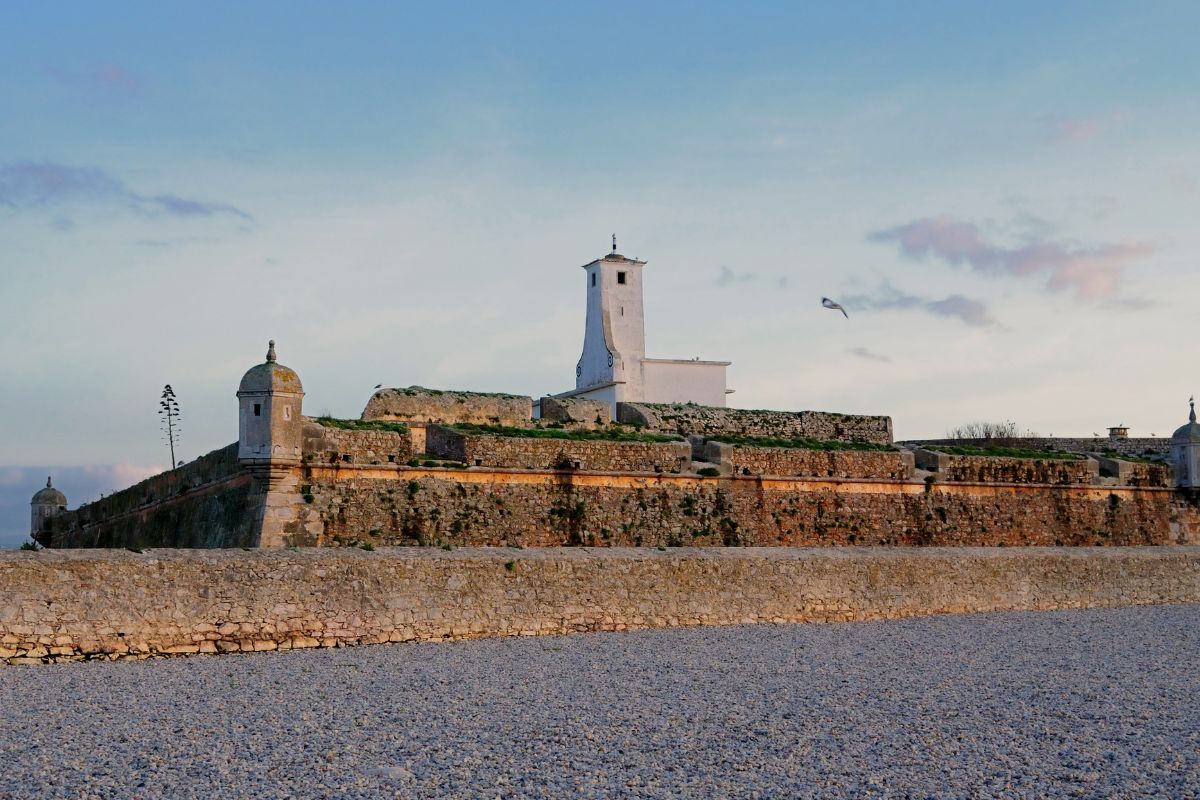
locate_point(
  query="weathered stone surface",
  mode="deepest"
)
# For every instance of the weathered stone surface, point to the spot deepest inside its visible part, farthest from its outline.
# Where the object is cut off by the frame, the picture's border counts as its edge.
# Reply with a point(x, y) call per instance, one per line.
point(1149, 447)
point(993, 469)
point(687, 419)
point(418, 404)
point(794, 462)
point(511, 452)
point(327, 445)
point(576, 412)
point(106, 603)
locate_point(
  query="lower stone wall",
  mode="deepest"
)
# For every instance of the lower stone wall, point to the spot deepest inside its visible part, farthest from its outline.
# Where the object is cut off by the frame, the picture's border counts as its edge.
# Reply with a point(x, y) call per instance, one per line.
point(546, 509)
point(418, 404)
point(511, 452)
point(688, 419)
point(788, 462)
point(111, 604)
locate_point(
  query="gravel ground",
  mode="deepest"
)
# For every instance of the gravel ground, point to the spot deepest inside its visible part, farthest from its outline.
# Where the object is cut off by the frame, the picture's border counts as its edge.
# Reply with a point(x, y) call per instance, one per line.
point(1102, 703)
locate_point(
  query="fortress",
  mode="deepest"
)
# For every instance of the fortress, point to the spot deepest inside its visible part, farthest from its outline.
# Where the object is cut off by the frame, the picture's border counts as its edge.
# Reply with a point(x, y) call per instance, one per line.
point(642, 452)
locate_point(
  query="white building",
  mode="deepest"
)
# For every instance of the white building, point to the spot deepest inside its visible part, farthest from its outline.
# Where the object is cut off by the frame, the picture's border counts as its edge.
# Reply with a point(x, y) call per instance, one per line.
point(614, 367)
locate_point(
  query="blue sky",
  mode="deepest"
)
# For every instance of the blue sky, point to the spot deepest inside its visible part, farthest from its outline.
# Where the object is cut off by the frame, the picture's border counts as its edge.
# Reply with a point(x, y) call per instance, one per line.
point(1003, 195)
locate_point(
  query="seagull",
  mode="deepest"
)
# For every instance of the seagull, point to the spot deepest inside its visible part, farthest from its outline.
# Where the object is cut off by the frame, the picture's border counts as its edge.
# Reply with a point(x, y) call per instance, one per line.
point(379, 386)
point(825, 301)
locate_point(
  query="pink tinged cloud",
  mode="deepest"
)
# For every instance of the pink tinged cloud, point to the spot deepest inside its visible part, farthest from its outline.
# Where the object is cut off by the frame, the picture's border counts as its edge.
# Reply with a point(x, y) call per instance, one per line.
point(1090, 272)
point(955, 306)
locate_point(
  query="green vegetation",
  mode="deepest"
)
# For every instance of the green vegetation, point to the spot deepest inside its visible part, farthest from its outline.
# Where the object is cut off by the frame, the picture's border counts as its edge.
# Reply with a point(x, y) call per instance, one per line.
point(366, 546)
point(1006, 452)
point(708, 472)
point(362, 424)
point(611, 434)
point(30, 546)
point(509, 565)
point(798, 444)
point(1110, 453)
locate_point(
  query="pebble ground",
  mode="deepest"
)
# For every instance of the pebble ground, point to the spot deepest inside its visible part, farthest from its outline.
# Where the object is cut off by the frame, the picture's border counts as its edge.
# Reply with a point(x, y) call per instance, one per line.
point(1095, 704)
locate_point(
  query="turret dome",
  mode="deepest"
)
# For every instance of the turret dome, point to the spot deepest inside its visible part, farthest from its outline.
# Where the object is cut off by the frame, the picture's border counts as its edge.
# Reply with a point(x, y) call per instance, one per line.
point(270, 376)
point(1191, 431)
point(49, 497)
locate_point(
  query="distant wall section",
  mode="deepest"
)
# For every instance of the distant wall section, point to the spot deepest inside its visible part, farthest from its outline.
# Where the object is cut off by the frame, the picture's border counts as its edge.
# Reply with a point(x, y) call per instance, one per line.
point(417, 404)
point(687, 419)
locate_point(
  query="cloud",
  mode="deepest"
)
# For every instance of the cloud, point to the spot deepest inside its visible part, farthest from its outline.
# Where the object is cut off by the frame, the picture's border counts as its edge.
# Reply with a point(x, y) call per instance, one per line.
point(728, 277)
point(1089, 272)
point(971, 312)
point(104, 78)
point(28, 184)
point(1075, 130)
point(863, 352)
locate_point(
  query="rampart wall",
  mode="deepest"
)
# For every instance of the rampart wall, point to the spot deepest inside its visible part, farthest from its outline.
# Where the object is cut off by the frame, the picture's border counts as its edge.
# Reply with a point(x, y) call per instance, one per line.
point(113, 604)
point(207, 503)
point(793, 462)
point(529, 508)
point(712, 422)
point(576, 411)
point(484, 450)
point(418, 404)
point(993, 469)
point(324, 444)
point(1134, 473)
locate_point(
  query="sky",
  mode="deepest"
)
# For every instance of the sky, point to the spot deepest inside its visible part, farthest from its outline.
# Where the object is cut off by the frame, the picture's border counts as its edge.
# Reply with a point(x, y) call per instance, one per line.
point(1003, 196)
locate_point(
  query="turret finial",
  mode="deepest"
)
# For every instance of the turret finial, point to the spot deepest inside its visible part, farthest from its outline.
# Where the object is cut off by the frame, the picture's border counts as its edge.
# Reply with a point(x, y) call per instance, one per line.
point(271, 352)
point(1192, 403)
point(48, 486)
point(614, 243)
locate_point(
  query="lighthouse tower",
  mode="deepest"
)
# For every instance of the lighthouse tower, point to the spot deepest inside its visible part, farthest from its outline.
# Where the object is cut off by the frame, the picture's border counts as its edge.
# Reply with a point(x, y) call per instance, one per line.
point(613, 367)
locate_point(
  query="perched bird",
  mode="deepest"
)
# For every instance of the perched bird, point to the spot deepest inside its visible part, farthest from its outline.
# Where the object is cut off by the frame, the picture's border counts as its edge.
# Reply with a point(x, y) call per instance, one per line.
point(379, 386)
point(825, 301)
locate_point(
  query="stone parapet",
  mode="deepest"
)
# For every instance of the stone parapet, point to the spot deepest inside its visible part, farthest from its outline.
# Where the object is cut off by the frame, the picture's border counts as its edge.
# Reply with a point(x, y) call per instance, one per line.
point(994, 469)
point(323, 444)
point(418, 404)
point(796, 462)
point(712, 422)
point(520, 452)
point(60, 606)
point(1136, 473)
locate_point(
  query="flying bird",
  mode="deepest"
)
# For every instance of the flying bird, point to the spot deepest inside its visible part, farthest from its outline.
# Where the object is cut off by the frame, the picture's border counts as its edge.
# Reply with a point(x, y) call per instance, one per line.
point(825, 301)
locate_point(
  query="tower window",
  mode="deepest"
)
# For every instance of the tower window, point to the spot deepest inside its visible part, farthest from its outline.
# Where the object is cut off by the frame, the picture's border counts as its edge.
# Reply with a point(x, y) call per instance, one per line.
point(620, 277)
point(593, 279)
point(258, 409)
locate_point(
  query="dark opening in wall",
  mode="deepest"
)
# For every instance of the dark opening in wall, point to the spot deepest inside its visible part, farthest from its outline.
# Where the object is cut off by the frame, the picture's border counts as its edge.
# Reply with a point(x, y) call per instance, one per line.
point(346, 457)
point(593, 279)
point(479, 462)
point(392, 459)
point(620, 277)
point(258, 409)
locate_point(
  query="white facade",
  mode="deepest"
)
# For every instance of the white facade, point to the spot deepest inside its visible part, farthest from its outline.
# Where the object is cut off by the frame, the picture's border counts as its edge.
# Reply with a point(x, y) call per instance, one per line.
point(614, 367)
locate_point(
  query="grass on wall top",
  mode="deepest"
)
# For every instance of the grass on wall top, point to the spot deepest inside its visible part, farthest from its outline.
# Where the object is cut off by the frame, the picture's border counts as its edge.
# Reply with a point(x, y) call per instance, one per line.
point(1006, 452)
point(612, 433)
point(798, 444)
point(362, 424)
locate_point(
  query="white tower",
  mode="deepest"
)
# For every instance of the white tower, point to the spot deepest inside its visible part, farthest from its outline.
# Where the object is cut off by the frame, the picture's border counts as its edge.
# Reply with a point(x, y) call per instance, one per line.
point(1185, 451)
point(614, 340)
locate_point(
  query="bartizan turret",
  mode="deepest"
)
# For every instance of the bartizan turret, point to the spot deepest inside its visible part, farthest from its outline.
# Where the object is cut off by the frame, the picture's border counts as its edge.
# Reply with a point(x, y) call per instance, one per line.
point(1185, 452)
point(46, 504)
point(269, 419)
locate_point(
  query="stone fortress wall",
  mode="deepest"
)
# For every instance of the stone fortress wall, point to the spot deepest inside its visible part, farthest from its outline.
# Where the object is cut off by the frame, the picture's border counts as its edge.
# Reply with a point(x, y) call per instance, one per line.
point(71, 605)
point(379, 487)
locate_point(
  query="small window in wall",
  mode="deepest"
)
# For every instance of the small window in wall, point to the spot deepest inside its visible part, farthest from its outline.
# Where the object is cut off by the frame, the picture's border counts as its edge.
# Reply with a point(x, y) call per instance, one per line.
point(287, 412)
point(620, 277)
point(593, 279)
point(258, 409)
point(622, 311)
